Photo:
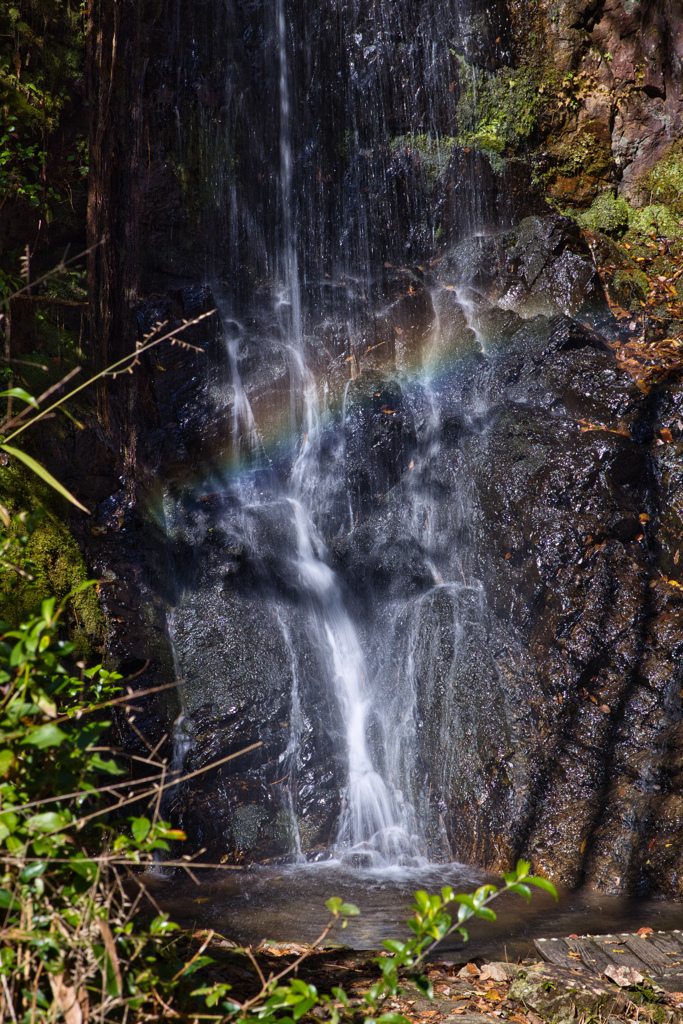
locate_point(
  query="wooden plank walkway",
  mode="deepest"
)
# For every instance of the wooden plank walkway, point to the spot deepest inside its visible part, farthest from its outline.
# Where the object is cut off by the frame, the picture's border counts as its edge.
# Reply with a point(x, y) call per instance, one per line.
point(658, 955)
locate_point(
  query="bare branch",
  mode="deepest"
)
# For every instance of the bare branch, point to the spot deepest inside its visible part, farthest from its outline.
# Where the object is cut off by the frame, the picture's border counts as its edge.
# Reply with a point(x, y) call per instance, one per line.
point(121, 366)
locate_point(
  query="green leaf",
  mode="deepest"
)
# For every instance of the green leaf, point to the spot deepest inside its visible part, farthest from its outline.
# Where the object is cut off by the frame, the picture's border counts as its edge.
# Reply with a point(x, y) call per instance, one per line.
point(19, 393)
point(110, 766)
point(542, 883)
point(6, 761)
point(9, 822)
point(349, 910)
point(333, 904)
point(521, 890)
point(341, 996)
point(85, 868)
point(50, 821)
point(33, 871)
point(201, 961)
point(523, 869)
point(392, 1018)
point(425, 985)
point(486, 913)
point(161, 924)
point(49, 735)
point(303, 1007)
point(5, 899)
point(394, 946)
point(40, 471)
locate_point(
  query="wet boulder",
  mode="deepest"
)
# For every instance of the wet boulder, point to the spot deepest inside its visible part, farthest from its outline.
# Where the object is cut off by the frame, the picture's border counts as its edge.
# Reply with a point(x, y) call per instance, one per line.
point(542, 266)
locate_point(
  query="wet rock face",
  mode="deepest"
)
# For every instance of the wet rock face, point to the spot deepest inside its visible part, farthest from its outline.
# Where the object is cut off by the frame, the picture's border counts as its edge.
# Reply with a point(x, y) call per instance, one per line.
point(541, 266)
point(545, 691)
point(505, 532)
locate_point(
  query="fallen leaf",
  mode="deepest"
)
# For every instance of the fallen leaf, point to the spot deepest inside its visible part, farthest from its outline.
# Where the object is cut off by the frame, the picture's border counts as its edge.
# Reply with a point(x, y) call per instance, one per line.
point(644, 517)
point(606, 709)
point(624, 977)
point(666, 435)
point(493, 972)
point(644, 931)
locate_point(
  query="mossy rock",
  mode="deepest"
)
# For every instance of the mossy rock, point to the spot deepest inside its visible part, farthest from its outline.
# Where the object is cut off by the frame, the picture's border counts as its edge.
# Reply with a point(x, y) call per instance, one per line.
point(561, 997)
point(629, 287)
point(499, 110)
point(53, 561)
point(664, 183)
point(609, 214)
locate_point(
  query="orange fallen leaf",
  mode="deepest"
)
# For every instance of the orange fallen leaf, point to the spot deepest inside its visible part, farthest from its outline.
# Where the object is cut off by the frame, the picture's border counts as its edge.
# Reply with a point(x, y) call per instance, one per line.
point(644, 517)
point(666, 435)
point(644, 931)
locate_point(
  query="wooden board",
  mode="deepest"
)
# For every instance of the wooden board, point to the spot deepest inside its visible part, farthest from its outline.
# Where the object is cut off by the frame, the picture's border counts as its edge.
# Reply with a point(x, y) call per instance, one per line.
point(658, 955)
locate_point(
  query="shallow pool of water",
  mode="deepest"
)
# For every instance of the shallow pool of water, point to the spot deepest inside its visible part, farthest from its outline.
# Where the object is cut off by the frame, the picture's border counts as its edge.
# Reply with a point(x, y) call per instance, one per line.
point(287, 904)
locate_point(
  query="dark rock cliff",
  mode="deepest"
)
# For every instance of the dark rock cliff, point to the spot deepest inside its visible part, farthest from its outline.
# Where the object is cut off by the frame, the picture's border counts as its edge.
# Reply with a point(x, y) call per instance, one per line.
point(548, 684)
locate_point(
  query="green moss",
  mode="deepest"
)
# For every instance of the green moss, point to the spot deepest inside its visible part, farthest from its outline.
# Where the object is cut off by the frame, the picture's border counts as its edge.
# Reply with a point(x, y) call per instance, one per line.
point(53, 561)
point(609, 214)
point(656, 217)
point(500, 110)
point(664, 182)
point(630, 288)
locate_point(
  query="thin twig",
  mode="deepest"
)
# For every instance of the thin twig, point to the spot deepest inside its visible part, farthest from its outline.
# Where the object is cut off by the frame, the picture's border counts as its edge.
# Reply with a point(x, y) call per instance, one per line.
point(46, 394)
point(128, 784)
point(78, 713)
point(118, 367)
point(8, 998)
point(196, 957)
point(80, 822)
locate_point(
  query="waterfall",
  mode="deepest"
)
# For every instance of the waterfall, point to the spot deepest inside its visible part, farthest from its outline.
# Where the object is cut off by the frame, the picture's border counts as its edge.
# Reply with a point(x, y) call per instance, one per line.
point(369, 825)
point(315, 543)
